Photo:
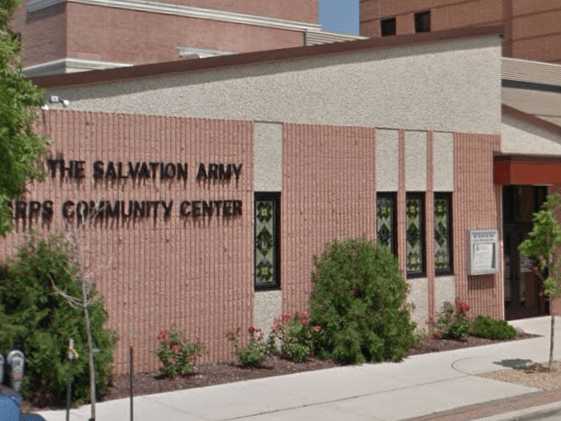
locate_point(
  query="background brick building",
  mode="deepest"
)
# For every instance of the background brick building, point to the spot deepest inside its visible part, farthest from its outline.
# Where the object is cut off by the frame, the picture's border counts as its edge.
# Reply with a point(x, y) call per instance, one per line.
point(532, 29)
point(61, 36)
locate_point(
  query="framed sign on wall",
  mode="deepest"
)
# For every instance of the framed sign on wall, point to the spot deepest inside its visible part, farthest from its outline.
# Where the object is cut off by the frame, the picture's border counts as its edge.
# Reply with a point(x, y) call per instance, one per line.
point(484, 252)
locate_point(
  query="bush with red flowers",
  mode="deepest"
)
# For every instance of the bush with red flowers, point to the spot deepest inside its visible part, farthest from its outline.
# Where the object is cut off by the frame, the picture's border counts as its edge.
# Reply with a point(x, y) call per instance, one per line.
point(452, 322)
point(255, 352)
point(293, 337)
point(176, 353)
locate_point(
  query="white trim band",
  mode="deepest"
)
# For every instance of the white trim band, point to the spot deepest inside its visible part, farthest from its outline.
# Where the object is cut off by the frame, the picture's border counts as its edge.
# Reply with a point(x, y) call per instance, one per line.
point(179, 10)
point(67, 65)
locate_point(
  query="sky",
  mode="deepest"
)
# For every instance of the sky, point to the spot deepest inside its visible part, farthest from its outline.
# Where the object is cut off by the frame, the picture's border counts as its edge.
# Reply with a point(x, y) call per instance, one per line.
point(339, 15)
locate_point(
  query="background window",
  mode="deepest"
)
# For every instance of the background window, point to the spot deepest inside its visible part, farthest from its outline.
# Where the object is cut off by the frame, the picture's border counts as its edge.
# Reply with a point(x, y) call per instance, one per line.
point(266, 242)
point(443, 233)
point(388, 26)
point(422, 22)
point(415, 226)
point(386, 221)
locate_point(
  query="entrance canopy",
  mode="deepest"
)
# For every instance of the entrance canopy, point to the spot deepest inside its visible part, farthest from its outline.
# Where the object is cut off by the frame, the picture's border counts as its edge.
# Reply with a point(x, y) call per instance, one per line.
point(527, 170)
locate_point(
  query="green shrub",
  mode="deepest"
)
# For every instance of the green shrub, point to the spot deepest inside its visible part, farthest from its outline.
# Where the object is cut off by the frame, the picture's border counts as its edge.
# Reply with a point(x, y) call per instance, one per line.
point(255, 352)
point(294, 337)
point(176, 353)
point(452, 321)
point(359, 301)
point(39, 321)
point(485, 327)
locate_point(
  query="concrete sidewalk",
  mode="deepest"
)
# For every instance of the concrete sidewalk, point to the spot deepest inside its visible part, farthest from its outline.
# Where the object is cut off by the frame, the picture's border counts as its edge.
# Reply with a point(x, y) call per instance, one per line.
point(420, 385)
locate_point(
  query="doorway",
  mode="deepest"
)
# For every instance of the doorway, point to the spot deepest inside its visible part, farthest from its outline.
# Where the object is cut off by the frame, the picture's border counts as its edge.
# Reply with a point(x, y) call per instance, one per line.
point(523, 290)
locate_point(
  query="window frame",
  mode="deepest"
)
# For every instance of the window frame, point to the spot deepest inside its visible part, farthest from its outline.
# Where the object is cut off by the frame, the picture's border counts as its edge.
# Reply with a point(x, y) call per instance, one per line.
point(419, 15)
point(393, 197)
point(275, 197)
point(448, 196)
point(388, 19)
point(422, 198)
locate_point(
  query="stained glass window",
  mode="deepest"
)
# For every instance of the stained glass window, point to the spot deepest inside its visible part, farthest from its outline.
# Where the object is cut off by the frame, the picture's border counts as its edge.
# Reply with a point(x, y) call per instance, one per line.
point(443, 233)
point(386, 220)
point(415, 234)
point(267, 240)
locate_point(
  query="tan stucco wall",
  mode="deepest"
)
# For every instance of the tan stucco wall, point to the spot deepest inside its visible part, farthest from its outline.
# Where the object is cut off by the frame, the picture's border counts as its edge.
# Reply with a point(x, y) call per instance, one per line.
point(443, 162)
point(387, 160)
point(267, 306)
point(520, 137)
point(444, 290)
point(267, 157)
point(416, 161)
point(444, 86)
point(418, 296)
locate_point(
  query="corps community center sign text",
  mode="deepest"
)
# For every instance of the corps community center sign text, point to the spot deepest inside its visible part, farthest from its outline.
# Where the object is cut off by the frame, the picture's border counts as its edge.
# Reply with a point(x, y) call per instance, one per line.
point(136, 172)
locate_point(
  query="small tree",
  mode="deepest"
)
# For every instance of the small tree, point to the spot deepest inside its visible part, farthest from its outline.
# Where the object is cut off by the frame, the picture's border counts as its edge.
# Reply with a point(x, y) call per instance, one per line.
point(20, 147)
point(543, 246)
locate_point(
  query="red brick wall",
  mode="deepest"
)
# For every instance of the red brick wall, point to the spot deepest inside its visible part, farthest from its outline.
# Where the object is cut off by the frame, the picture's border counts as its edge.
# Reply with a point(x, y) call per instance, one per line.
point(328, 193)
point(195, 275)
point(300, 10)
point(43, 34)
point(531, 26)
point(109, 34)
point(476, 206)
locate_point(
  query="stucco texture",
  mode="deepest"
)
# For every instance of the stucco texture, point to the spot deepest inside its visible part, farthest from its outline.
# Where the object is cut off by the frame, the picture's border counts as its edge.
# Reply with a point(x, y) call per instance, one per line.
point(418, 296)
point(443, 162)
point(387, 160)
point(267, 306)
point(267, 157)
point(444, 86)
point(520, 137)
point(415, 161)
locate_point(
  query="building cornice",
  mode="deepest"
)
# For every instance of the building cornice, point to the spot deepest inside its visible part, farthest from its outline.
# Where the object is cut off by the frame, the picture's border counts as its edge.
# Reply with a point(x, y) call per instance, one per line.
point(180, 10)
point(69, 65)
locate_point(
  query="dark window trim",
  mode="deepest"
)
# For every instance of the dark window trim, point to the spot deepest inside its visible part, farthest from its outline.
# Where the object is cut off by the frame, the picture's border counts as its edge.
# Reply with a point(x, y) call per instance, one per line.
point(449, 198)
point(393, 197)
point(420, 13)
point(421, 196)
point(388, 19)
point(276, 198)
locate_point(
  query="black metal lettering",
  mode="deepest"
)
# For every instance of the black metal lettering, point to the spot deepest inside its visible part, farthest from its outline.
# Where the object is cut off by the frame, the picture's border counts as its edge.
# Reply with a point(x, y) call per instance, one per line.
point(182, 171)
point(111, 172)
point(184, 209)
point(227, 209)
point(98, 170)
point(68, 209)
point(237, 210)
point(237, 170)
point(207, 208)
point(201, 174)
point(196, 206)
point(47, 210)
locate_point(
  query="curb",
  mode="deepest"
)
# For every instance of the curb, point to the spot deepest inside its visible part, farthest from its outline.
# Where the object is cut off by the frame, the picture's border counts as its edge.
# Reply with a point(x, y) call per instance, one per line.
point(529, 414)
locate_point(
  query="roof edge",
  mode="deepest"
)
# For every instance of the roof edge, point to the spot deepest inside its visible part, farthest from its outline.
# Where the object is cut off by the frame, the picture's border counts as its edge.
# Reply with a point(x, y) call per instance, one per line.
point(154, 69)
point(531, 119)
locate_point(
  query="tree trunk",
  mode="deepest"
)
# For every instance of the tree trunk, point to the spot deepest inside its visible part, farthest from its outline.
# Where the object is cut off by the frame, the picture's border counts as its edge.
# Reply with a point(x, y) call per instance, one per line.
point(90, 349)
point(551, 342)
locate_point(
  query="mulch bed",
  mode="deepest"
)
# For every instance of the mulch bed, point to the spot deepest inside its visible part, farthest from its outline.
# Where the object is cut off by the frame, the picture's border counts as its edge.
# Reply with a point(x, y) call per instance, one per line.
point(210, 374)
point(431, 344)
point(214, 374)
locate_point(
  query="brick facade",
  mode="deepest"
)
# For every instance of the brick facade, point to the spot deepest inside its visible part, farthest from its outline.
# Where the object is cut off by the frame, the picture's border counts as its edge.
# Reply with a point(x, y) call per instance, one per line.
point(197, 273)
point(126, 35)
point(531, 27)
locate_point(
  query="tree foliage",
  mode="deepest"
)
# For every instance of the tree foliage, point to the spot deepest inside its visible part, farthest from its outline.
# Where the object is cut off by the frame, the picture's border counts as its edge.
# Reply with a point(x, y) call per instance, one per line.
point(543, 245)
point(359, 301)
point(36, 319)
point(20, 147)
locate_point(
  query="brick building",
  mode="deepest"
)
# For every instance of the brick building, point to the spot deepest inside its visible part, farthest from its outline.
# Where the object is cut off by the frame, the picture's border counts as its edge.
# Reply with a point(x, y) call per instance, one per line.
point(221, 178)
point(61, 36)
point(532, 30)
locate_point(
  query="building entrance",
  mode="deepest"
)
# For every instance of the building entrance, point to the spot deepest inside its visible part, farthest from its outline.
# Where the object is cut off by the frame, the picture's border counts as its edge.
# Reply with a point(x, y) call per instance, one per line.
point(523, 290)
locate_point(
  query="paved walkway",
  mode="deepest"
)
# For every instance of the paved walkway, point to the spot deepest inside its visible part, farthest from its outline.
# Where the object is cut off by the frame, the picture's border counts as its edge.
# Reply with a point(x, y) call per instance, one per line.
point(419, 386)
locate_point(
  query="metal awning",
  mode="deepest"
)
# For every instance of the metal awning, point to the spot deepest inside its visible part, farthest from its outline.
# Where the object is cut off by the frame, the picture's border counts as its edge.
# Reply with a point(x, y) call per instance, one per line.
point(527, 170)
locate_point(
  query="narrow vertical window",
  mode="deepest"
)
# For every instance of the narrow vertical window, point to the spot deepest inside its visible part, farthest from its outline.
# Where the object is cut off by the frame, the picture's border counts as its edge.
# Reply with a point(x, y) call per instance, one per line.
point(422, 22)
point(415, 226)
point(443, 233)
point(386, 221)
point(266, 243)
point(388, 27)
